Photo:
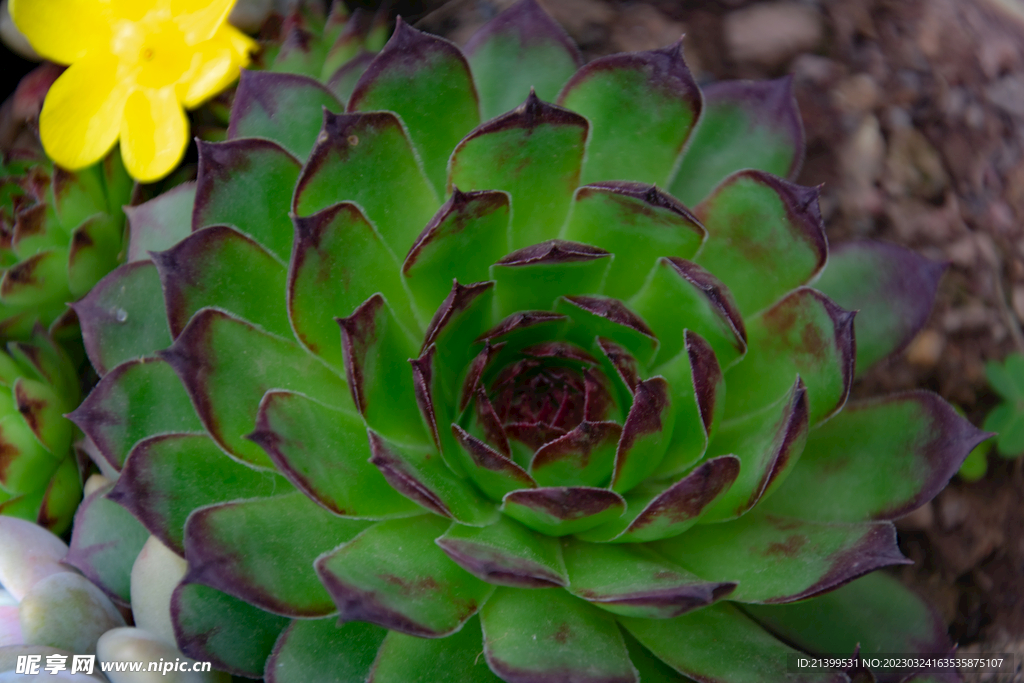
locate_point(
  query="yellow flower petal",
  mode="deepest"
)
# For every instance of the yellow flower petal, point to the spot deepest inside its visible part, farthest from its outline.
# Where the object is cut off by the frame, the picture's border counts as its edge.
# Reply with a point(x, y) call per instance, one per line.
point(62, 31)
point(200, 19)
point(81, 115)
point(154, 133)
point(216, 64)
point(132, 10)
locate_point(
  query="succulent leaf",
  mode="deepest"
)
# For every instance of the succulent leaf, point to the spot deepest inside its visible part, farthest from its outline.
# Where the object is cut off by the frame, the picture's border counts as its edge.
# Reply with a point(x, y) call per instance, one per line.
point(506, 554)
point(407, 659)
point(160, 223)
point(563, 510)
point(320, 649)
point(533, 278)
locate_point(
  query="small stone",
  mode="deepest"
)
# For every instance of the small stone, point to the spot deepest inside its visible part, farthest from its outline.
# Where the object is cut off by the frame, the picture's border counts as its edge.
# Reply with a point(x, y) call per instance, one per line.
point(913, 166)
point(920, 519)
point(136, 645)
point(155, 574)
point(67, 611)
point(952, 510)
point(926, 349)
point(963, 252)
point(857, 94)
point(771, 33)
point(1008, 94)
point(971, 317)
point(28, 554)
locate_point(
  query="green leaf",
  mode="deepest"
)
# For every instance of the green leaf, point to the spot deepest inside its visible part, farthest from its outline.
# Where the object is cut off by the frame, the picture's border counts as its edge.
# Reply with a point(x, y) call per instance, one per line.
point(642, 107)
point(167, 477)
point(877, 459)
point(43, 411)
point(718, 643)
point(891, 288)
point(324, 453)
point(563, 510)
point(1008, 420)
point(636, 222)
point(160, 223)
point(234, 636)
point(1007, 378)
point(436, 409)
point(765, 237)
point(368, 159)
point(221, 267)
point(27, 464)
point(39, 282)
point(609, 319)
point(584, 456)
point(301, 52)
point(534, 153)
point(548, 635)
point(426, 81)
point(494, 473)
point(262, 551)
point(248, 185)
point(407, 659)
point(394, 575)
point(35, 230)
point(506, 553)
point(322, 650)
point(455, 330)
point(783, 559)
point(123, 317)
point(645, 435)
point(533, 278)
point(520, 49)
point(650, 668)
point(95, 245)
point(77, 195)
point(285, 108)
point(745, 124)
point(212, 356)
point(342, 81)
point(805, 334)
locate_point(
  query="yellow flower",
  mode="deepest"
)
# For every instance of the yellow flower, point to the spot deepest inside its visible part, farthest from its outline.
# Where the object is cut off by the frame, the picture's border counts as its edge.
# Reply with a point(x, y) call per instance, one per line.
point(134, 65)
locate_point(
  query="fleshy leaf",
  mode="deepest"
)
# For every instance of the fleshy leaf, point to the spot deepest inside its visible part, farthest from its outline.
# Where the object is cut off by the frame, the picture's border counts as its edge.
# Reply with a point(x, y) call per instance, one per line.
point(609, 319)
point(634, 581)
point(285, 108)
point(119, 319)
point(435, 409)
point(699, 302)
point(765, 237)
point(534, 277)
point(645, 435)
point(426, 81)
point(77, 195)
point(343, 81)
point(407, 659)
point(346, 165)
point(167, 477)
point(40, 281)
point(534, 153)
point(94, 253)
point(339, 262)
point(218, 266)
point(161, 222)
point(891, 287)
point(474, 223)
point(105, 543)
point(212, 358)
point(322, 650)
point(563, 510)
point(262, 551)
point(43, 411)
point(718, 643)
point(455, 329)
point(496, 474)
point(636, 222)
point(324, 453)
point(520, 49)
point(548, 635)
point(642, 107)
point(394, 575)
point(247, 184)
point(746, 124)
point(507, 554)
point(234, 636)
point(650, 668)
point(877, 459)
point(805, 334)
point(781, 559)
point(300, 52)
point(584, 456)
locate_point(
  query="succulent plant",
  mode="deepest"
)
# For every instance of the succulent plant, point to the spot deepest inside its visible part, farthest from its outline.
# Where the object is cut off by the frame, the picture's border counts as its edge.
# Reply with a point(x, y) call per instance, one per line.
point(413, 377)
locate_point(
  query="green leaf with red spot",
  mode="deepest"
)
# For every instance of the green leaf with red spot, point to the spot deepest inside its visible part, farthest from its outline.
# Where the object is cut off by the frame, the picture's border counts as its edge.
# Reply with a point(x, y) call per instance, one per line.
point(805, 334)
point(34, 231)
point(167, 477)
point(718, 643)
point(783, 559)
point(636, 222)
point(610, 319)
point(545, 636)
point(878, 459)
point(534, 153)
point(324, 453)
point(407, 659)
point(323, 650)
point(285, 108)
point(77, 195)
point(160, 223)
point(262, 551)
point(507, 554)
point(642, 107)
point(301, 52)
point(212, 358)
point(40, 281)
point(891, 287)
point(339, 262)
point(394, 575)
point(534, 277)
point(584, 456)
point(123, 317)
point(43, 411)
point(765, 237)
point(435, 408)
point(645, 435)
point(455, 330)
point(520, 49)
point(494, 473)
point(746, 124)
point(60, 497)
point(94, 252)
point(105, 542)
point(426, 81)
point(563, 510)
point(368, 159)
point(25, 465)
point(698, 302)
point(247, 184)
point(474, 223)
point(214, 627)
point(221, 267)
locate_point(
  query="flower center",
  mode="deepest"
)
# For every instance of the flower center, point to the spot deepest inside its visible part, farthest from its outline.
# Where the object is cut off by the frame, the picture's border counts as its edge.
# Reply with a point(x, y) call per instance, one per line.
point(153, 49)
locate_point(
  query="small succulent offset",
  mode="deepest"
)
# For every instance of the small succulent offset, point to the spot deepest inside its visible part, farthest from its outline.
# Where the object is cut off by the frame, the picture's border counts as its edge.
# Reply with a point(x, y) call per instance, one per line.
point(438, 372)
point(1007, 378)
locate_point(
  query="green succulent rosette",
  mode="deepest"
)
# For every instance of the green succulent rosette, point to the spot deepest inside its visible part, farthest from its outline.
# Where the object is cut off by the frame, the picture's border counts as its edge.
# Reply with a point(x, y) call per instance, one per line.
point(424, 389)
